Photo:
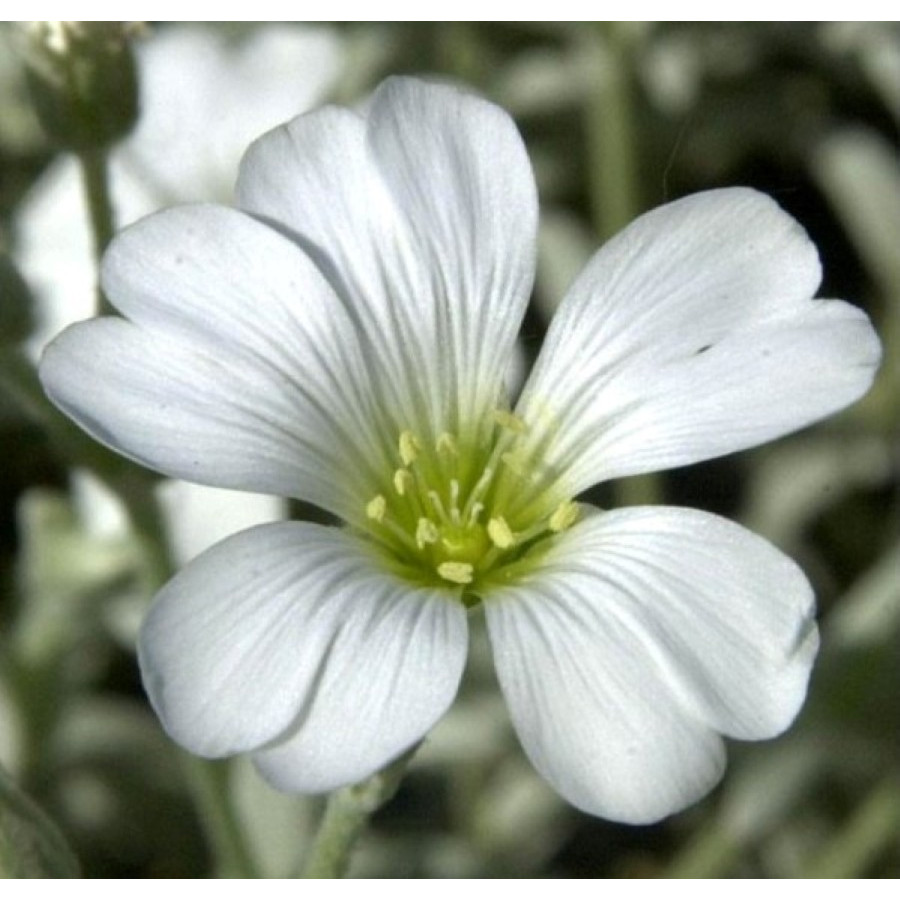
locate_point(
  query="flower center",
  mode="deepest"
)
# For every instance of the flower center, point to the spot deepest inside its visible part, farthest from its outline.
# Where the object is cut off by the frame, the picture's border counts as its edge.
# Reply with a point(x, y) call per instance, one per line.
point(466, 513)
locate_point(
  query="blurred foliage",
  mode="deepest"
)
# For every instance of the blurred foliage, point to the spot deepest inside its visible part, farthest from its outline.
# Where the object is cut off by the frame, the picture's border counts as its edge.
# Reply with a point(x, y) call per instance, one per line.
point(618, 118)
point(31, 846)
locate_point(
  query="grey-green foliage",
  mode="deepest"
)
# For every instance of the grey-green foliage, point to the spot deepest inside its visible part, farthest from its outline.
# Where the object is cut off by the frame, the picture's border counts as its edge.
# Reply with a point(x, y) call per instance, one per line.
point(16, 304)
point(31, 846)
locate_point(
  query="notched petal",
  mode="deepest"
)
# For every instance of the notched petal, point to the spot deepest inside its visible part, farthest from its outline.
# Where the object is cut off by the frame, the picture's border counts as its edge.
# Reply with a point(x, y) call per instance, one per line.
point(648, 632)
point(287, 636)
point(693, 334)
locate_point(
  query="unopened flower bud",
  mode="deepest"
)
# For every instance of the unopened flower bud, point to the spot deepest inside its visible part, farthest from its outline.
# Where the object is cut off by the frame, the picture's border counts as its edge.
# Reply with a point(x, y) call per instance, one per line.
point(82, 80)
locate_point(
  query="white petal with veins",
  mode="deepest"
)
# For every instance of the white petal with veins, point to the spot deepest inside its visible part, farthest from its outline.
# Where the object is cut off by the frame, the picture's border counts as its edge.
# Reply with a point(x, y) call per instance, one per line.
point(287, 632)
point(693, 334)
point(644, 634)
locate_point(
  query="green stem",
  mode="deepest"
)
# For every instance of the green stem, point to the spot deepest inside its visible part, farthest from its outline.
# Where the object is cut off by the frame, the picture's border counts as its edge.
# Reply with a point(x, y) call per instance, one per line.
point(210, 786)
point(613, 184)
point(95, 178)
point(610, 133)
point(346, 814)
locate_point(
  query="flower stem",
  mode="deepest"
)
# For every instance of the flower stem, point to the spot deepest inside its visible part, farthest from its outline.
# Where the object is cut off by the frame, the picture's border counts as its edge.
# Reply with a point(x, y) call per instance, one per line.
point(95, 178)
point(610, 132)
point(209, 783)
point(613, 165)
point(346, 814)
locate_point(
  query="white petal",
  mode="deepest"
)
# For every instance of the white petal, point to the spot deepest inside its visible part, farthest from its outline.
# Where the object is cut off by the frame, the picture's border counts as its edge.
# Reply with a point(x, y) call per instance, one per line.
point(646, 632)
point(423, 214)
point(290, 630)
point(693, 334)
point(239, 368)
point(394, 672)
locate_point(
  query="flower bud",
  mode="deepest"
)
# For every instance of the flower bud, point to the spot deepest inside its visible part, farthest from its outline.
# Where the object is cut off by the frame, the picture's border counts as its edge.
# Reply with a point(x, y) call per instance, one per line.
point(82, 80)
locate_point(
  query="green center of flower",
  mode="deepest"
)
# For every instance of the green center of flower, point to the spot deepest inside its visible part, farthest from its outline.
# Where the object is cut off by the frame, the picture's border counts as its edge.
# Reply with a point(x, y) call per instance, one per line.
point(468, 512)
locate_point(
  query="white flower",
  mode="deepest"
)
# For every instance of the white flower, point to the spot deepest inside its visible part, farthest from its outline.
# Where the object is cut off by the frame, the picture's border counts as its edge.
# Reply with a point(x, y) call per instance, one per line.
point(341, 338)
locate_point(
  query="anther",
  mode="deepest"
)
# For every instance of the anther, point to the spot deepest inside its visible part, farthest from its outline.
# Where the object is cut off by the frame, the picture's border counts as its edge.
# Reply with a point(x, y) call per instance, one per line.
point(403, 480)
point(409, 447)
point(500, 533)
point(376, 508)
point(426, 533)
point(564, 516)
point(457, 572)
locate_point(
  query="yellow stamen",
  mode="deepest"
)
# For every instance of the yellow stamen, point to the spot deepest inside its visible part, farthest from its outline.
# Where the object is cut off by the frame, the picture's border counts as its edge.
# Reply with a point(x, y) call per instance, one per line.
point(500, 533)
point(426, 533)
point(564, 517)
point(463, 507)
point(403, 481)
point(376, 508)
point(457, 572)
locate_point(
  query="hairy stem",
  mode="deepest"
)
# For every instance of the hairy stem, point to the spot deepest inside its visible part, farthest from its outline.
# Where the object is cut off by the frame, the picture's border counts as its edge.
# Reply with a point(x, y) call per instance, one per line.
point(346, 814)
